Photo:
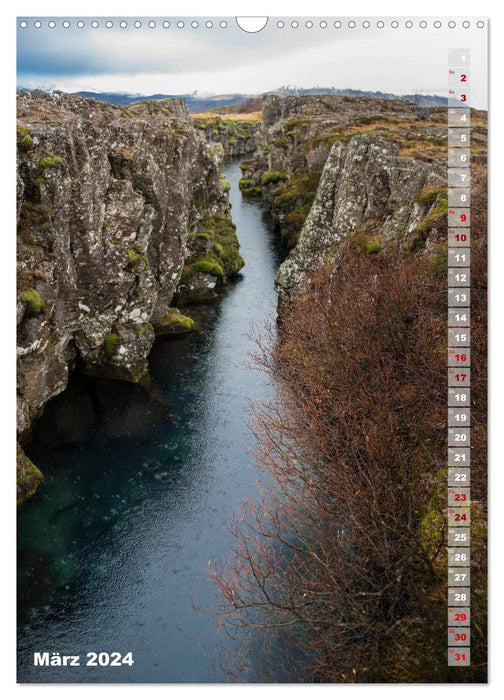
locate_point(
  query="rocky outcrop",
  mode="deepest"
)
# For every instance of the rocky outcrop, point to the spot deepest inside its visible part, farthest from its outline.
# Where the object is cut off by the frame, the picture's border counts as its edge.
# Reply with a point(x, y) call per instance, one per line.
point(299, 132)
point(212, 256)
point(370, 195)
point(237, 136)
point(334, 168)
point(109, 201)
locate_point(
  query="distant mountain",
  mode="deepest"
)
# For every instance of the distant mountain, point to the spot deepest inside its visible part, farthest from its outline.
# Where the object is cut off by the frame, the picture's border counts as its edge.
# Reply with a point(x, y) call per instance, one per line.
point(195, 103)
point(200, 103)
point(420, 100)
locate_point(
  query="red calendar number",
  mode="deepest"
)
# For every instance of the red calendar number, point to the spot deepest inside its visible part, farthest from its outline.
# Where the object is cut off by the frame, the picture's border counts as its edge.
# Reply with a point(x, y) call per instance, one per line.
point(460, 497)
point(459, 517)
point(463, 78)
point(463, 98)
point(461, 637)
point(461, 358)
point(460, 237)
point(463, 217)
point(460, 617)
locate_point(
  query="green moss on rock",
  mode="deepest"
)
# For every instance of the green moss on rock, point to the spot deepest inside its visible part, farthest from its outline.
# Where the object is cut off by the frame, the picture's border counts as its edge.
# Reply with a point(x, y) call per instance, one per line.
point(373, 247)
point(249, 188)
point(208, 265)
point(433, 219)
point(26, 143)
point(225, 244)
point(214, 250)
point(299, 191)
point(110, 344)
point(174, 323)
point(35, 303)
point(292, 203)
point(272, 176)
point(254, 191)
point(28, 477)
point(51, 162)
point(429, 195)
point(224, 182)
point(297, 124)
point(134, 256)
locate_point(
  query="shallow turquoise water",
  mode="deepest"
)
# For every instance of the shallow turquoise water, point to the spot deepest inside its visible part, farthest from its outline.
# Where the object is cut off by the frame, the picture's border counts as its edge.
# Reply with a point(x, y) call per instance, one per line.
point(138, 487)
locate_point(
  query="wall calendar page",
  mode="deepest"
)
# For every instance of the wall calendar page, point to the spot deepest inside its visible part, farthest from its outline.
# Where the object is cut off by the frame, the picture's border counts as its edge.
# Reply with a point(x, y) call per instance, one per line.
point(251, 306)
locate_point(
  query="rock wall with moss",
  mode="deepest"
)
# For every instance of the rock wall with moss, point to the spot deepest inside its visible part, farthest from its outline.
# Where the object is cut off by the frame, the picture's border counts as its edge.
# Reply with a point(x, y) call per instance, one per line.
point(237, 136)
point(371, 197)
point(333, 167)
point(111, 203)
point(298, 134)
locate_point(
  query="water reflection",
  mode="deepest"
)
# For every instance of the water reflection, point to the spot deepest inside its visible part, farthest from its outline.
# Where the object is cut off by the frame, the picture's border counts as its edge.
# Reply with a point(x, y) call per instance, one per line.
point(139, 483)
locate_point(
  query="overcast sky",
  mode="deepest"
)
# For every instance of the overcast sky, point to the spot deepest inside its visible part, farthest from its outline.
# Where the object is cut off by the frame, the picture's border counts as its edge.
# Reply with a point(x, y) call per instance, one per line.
point(222, 60)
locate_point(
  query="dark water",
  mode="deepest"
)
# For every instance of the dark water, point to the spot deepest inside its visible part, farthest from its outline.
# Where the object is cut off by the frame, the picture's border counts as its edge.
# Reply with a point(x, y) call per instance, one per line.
point(138, 487)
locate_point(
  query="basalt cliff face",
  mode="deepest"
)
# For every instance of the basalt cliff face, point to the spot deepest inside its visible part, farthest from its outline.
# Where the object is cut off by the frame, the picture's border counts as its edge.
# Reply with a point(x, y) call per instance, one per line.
point(363, 172)
point(297, 136)
point(124, 213)
point(236, 135)
point(370, 197)
point(118, 209)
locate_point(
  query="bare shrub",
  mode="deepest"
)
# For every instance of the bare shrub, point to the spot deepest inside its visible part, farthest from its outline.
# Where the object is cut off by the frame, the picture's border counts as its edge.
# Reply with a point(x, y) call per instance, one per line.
point(339, 573)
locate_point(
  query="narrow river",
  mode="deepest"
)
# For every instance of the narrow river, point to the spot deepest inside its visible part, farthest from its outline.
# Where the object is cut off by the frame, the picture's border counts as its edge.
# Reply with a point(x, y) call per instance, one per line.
point(139, 485)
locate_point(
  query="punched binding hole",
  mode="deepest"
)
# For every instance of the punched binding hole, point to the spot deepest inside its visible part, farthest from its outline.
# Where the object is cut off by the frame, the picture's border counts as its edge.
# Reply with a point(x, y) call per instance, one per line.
point(251, 25)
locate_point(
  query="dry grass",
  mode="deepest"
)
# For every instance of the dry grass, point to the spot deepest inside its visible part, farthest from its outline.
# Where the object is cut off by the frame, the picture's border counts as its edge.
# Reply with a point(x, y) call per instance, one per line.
point(235, 116)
